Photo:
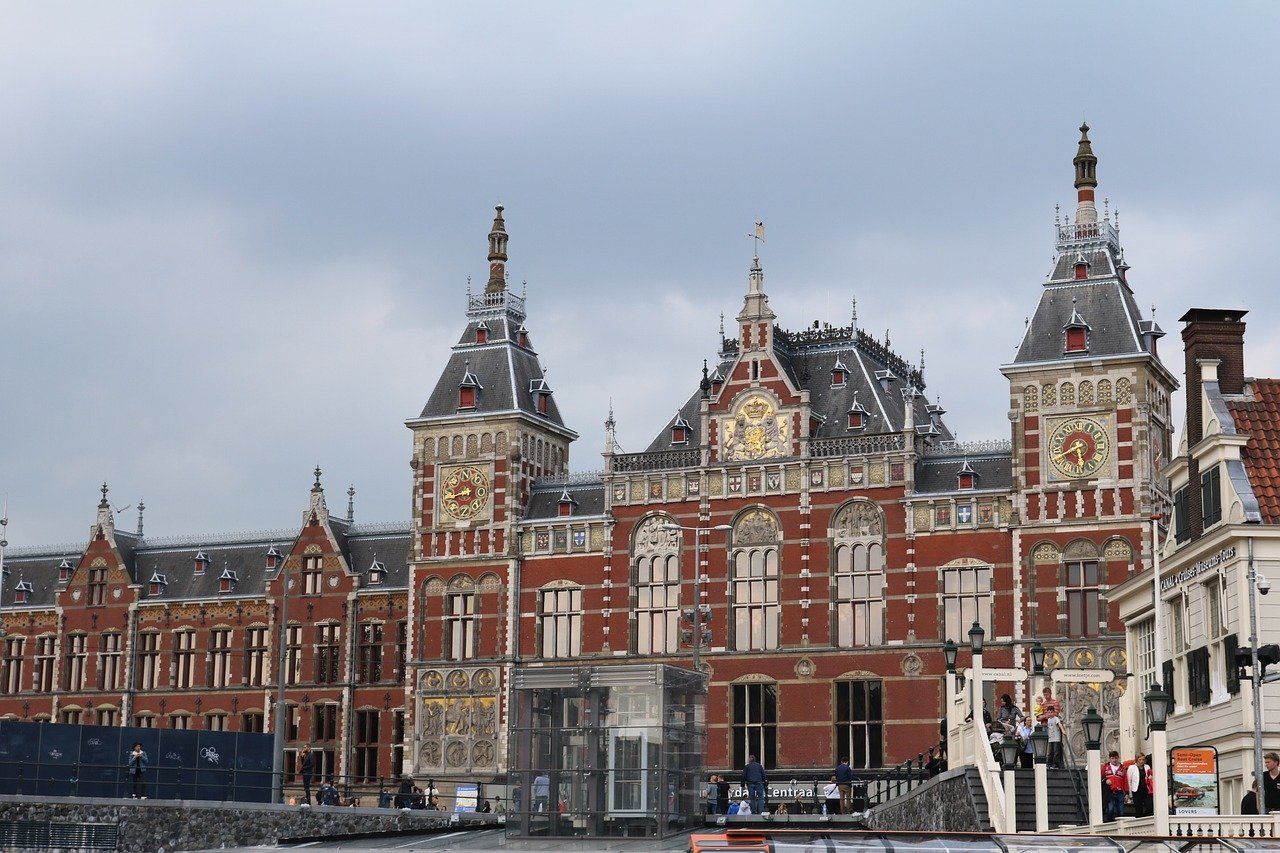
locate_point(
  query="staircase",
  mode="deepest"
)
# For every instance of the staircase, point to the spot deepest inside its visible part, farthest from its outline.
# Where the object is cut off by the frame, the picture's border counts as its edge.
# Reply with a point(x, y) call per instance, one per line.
point(1064, 805)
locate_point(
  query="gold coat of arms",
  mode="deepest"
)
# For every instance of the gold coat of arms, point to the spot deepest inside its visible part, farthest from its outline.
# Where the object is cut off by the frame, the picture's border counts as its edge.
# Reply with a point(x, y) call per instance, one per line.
point(757, 431)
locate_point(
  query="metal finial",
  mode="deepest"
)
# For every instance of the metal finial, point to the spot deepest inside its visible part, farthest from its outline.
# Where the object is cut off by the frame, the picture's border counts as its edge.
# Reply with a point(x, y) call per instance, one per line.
point(855, 313)
point(1057, 213)
point(351, 503)
point(886, 338)
point(317, 472)
point(141, 508)
point(722, 324)
point(1106, 210)
point(468, 285)
point(922, 359)
point(524, 288)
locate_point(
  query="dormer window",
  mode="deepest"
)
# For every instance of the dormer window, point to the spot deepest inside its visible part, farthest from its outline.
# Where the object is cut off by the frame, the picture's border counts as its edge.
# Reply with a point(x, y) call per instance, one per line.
point(202, 562)
point(522, 336)
point(885, 378)
point(482, 333)
point(680, 430)
point(857, 415)
point(227, 581)
point(64, 571)
point(376, 572)
point(936, 412)
point(541, 392)
point(468, 389)
point(1075, 332)
point(157, 584)
point(1081, 267)
point(22, 592)
point(273, 558)
point(966, 477)
point(717, 381)
point(839, 374)
point(567, 504)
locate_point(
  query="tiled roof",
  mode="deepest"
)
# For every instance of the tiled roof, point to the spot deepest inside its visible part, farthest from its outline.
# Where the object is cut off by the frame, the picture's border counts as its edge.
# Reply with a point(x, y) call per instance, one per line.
point(1259, 418)
point(544, 502)
point(940, 475)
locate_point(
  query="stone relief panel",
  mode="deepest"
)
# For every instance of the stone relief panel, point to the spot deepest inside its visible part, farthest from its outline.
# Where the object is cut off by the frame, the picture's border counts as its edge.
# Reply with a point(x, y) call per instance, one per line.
point(458, 720)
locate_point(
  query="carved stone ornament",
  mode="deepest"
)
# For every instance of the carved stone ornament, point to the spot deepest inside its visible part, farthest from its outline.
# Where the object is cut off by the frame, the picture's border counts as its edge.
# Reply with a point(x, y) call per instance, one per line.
point(858, 520)
point(1118, 549)
point(1045, 553)
point(483, 754)
point(756, 527)
point(430, 753)
point(457, 680)
point(651, 538)
point(455, 754)
point(1052, 659)
point(805, 668)
point(756, 431)
point(1116, 659)
point(432, 679)
point(912, 665)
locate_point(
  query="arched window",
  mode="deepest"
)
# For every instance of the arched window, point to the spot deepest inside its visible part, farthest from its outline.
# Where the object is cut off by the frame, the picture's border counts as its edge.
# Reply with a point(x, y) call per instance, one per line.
point(857, 539)
point(754, 570)
point(1084, 610)
point(655, 563)
point(460, 619)
point(560, 620)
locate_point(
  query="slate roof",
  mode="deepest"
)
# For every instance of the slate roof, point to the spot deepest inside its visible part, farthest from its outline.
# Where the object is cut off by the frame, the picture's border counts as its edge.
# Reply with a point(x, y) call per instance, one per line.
point(40, 570)
point(938, 475)
point(505, 372)
point(1107, 306)
point(544, 501)
point(1258, 416)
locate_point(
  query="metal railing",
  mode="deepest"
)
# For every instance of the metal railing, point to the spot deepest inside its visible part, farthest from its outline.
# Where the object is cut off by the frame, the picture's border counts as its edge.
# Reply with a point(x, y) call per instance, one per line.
point(658, 460)
point(856, 445)
point(900, 779)
point(969, 448)
point(58, 835)
point(1088, 232)
point(1073, 767)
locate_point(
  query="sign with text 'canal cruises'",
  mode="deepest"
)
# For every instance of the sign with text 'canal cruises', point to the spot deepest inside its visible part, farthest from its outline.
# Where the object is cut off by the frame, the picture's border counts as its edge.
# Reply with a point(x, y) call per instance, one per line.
point(1170, 581)
point(1195, 780)
point(1084, 676)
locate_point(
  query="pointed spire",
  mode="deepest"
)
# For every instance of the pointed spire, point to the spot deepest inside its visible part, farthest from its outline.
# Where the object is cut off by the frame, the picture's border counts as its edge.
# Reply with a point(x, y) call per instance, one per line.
point(141, 509)
point(721, 325)
point(1086, 179)
point(610, 431)
point(705, 384)
point(318, 510)
point(855, 316)
point(103, 504)
point(351, 503)
point(497, 254)
point(755, 306)
point(316, 487)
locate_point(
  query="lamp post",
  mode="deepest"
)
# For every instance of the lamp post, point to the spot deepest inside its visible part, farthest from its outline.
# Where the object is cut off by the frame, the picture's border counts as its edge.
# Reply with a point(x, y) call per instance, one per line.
point(277, 756)
point(1009, 752)
point(1255, 669)
point(981, 744)
point(1157, 702)
point(1092, 722)
point(698, 533)
point(1040, 750)
point(949, 650)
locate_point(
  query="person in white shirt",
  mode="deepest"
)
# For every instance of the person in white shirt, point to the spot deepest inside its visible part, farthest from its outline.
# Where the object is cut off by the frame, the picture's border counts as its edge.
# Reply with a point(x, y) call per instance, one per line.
point(744, 807)
point(1054, 724)
point(831, 792)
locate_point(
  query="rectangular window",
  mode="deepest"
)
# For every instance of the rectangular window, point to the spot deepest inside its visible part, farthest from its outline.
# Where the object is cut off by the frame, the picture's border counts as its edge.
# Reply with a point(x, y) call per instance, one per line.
point(1213, 608)
point(657, 604)
point(46, 664)
point(1198, 689)
point(70, 716)
point(328, 648)
point(1181, 524)
point(312, 576)
point(859, 595)
point(966, 598)
point(109, 651)
point(397, 742)
point(220, 659)
point(292, 722)
point(859, 723)
point(253, 721)
point(215, 722)
point(77, 661)
point(184, 658)
point(1144, 654)
point(366, 744)
point(1211, 495)
point(255, 656)
point(144, 721)
point(1230, 645)
point(1083, 611)
point(560, 615)
point(369, 661)
point(324, 722)
point(182, 722)
point(1166, 670)
point(108, 717)
point(755, 598)
point(1178, 633)
point(402, 646)
point(755, 724)
point(460, 625)
point(11, 678)
point(97, 587)
point(293, 654)
point(148, 661)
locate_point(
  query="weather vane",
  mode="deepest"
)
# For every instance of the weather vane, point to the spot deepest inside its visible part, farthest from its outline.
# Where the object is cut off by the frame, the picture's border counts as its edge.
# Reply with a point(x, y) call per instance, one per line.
point(758, 236)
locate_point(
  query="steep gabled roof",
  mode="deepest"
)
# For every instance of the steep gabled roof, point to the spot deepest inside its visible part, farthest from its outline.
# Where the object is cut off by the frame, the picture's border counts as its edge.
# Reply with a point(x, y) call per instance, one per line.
point(1258, 417)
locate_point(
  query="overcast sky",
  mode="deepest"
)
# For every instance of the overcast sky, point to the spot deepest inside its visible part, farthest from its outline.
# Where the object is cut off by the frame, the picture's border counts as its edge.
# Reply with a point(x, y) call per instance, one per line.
point(234, 238)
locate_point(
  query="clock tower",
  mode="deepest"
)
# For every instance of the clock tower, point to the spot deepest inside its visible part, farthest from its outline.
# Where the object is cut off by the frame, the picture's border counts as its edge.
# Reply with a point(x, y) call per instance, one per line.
point(1091, 428)
point(490, 426)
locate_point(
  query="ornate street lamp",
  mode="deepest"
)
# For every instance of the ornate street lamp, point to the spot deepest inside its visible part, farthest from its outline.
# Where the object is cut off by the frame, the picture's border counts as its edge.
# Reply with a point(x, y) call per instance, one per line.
point(1157, 702)
point(949, 649)
point(1037, 658)
point(1040, 750)
point(1009, 752)
point(975, 638)
point(1092, 722)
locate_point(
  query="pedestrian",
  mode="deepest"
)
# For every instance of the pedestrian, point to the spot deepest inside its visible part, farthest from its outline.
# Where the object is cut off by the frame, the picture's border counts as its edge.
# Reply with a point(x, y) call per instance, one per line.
point(755, 779)
point(327, 794)
point(1054, 724)
point(541, 791)
point(797, 805)
point(1249, 804)
point(1138, 781)
point(934, 765)
point(831, 795)
point(1271, 783)
point(433, 803)
point(722, 795)
point(713, 794)
point(1048, 706)
point(307, 767)
point(1114, 784)
point(1008, 715)
point(404, 794)
point(1027, 754)
point(137, 768)
point(844, 778)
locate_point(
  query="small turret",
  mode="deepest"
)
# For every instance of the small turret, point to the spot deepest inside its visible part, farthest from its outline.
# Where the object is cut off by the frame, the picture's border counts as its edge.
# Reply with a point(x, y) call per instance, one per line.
point(1086, 179)
point(497, 254)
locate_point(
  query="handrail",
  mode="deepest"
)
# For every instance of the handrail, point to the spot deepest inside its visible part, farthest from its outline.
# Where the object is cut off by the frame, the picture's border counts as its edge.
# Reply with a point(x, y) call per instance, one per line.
point(1073, 767)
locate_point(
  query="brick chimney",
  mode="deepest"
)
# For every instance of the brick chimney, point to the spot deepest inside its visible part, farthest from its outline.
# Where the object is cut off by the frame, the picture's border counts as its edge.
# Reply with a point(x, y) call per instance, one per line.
point(1210, 335)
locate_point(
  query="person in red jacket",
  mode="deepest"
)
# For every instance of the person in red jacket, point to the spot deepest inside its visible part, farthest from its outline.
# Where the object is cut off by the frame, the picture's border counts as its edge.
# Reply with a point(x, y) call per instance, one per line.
point(1114, 783)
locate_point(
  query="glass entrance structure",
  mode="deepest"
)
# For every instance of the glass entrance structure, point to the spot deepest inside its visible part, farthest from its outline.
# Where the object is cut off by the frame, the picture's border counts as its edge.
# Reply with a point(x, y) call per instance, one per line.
point(605, 751)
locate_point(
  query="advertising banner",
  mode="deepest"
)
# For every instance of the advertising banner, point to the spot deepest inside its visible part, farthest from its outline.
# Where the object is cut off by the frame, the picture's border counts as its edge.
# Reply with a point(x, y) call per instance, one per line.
point(466, 797)
point(1195, 780)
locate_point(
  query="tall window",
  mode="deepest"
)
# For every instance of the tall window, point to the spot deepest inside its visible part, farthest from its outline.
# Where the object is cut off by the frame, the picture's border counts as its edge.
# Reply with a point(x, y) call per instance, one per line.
point(180, 721)
point(755, 581)
point(184, 659)
point(657, 604)
point(1144, 654)
point(369, 661)
point(560, 621)
point(966, 598)
point(857, 536)
point(397, 742)
point(215, 721)
point(325, 722)
point(1211, 495)
point(253, 721)
point(402, 646)
point(859, 726)
point(148, 661)
point(46, 664)
point(1181, 524)
point(366, 745)
point(328, 650)
point(109, 650)
point(77, 661)
point(1213, 608)
point(255, 656)
point(1177, 631)
point(70, 716)
point(1083, 613)
point(11, 677)
point(108, 717)
point(460, 625)
point(755, 723)
point(220, 659)
point(1198, 689)
point(293, 654)
point(144, 721)
point(97, 586)
point(312, 577)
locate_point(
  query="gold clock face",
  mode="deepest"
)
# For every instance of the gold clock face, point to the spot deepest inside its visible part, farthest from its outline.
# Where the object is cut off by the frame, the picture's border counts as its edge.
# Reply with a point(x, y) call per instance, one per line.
point(1078, 448)
point(465, 492)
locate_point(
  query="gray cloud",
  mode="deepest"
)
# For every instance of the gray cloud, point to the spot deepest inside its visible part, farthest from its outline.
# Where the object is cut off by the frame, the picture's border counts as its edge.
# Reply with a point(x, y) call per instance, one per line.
point(234, 238)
